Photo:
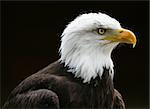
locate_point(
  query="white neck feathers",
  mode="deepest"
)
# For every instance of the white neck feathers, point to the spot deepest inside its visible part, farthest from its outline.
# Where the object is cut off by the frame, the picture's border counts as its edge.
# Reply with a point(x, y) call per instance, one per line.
point(82, 51)
point(85, 60)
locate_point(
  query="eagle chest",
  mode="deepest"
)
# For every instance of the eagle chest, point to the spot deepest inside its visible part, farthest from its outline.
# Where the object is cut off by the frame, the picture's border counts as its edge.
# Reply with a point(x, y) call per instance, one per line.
point(93, 95)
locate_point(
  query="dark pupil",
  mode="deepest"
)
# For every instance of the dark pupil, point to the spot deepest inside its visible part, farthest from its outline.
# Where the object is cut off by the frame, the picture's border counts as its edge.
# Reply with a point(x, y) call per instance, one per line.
point(101, 31)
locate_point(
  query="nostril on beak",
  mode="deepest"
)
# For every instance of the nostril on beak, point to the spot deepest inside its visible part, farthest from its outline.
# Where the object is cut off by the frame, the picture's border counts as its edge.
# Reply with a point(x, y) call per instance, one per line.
point(121, 31)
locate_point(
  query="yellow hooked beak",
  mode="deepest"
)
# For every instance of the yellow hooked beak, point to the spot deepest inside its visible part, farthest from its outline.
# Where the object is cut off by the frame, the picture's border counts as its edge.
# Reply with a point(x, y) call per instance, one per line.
point(122, 36)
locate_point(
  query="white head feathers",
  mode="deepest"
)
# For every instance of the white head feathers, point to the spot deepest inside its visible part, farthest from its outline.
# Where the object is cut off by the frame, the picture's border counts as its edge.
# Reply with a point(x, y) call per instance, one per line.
point(82, 51)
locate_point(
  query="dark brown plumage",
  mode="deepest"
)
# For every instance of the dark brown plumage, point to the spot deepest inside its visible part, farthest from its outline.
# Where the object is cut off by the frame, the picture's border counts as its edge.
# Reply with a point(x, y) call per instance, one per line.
point(83, 76)
point(54, 87)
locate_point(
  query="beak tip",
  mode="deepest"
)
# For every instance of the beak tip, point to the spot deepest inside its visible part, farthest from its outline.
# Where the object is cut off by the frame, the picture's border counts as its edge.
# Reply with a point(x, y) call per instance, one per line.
point(134, 45)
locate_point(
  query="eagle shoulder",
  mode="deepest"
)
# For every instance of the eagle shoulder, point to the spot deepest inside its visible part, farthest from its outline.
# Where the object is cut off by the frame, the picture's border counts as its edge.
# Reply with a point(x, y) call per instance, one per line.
point(37, 90)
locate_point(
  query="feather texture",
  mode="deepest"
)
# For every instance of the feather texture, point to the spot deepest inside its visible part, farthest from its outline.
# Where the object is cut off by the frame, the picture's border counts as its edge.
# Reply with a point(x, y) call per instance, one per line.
point(55, 88)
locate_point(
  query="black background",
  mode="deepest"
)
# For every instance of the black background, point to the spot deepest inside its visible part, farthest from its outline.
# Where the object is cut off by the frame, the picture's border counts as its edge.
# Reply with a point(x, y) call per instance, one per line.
point(31, 39)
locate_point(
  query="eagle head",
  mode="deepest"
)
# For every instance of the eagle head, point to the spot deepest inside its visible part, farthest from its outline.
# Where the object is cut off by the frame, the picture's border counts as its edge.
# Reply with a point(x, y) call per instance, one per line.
point(87, 43)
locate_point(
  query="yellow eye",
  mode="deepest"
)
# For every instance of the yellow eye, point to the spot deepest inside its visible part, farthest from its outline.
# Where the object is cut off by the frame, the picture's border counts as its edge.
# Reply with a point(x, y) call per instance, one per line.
point(101, 31)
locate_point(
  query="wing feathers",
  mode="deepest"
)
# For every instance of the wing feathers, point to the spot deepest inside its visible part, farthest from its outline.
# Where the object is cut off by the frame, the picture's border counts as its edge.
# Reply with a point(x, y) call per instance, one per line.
point(41, 98)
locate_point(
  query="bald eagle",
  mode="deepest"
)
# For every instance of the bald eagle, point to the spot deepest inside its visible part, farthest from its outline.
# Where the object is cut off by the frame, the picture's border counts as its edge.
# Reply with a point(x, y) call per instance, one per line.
point(83, 76)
